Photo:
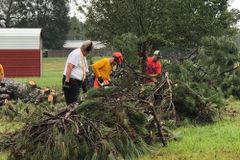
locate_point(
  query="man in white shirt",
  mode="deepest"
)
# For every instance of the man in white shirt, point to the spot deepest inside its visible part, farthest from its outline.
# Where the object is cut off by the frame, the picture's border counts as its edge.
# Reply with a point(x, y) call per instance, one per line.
point(75, 71)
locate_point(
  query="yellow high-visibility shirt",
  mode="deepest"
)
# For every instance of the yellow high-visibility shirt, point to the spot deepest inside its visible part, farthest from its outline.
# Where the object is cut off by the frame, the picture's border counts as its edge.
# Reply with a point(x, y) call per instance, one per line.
point(1, 72)
point(102, 68)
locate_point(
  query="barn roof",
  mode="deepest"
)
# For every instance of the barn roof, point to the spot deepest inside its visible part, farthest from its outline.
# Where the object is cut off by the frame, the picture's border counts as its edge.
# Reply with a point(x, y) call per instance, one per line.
point(20, 38)
point(20, 32)
point(70, 44)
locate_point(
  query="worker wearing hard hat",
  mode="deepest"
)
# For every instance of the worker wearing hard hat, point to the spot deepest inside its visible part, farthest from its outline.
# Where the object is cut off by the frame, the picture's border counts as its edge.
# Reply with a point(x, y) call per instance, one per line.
point(153, 68)
point(103, 68)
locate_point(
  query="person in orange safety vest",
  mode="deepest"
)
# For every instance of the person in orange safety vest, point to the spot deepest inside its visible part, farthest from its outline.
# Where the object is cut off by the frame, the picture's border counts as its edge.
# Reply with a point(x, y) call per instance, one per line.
point(153, 68)
point(102, 69)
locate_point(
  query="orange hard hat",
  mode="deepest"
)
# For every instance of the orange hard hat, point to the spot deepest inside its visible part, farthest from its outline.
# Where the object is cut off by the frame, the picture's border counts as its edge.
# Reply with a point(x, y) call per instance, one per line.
point(118, 56)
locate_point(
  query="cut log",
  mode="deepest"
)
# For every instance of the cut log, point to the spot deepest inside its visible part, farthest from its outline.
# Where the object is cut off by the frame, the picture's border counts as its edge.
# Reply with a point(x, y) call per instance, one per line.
point(28, 92)
point(32, 83)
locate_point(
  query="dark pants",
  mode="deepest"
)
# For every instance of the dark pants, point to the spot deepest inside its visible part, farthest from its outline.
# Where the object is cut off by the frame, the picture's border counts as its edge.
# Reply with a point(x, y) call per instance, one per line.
point(72, 93)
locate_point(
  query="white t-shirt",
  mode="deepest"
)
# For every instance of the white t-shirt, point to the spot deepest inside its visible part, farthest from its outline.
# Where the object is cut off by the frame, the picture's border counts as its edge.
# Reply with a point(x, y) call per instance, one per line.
point(80, 64)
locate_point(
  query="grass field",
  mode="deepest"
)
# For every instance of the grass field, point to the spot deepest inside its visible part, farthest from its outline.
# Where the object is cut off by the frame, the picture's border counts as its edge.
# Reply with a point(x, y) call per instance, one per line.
point(218, 141)
point(52, 73)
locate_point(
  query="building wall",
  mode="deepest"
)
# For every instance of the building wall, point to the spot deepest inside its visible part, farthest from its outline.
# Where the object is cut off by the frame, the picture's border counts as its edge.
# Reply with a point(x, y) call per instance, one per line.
point(21, 63)
point(20, 51)
point(57, 52)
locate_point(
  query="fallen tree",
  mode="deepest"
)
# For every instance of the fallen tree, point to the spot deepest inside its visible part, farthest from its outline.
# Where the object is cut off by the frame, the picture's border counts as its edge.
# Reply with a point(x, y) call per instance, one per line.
point(117, 122)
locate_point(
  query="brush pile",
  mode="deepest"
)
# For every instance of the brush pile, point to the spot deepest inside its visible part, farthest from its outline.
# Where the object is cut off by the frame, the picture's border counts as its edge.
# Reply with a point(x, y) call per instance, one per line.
point(28, 92)
point(120, 122)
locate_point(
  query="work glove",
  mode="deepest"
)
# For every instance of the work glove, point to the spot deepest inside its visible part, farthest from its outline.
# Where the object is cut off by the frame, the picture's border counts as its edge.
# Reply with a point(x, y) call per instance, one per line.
point(100, 79)
point(66, 85)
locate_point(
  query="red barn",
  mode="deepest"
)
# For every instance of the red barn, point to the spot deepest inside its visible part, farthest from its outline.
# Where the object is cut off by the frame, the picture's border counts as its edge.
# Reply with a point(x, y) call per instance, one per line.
point(21, 52)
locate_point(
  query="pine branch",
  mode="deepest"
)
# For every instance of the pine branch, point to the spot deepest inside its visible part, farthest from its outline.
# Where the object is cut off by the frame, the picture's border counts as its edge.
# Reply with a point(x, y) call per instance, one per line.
point(230, 70)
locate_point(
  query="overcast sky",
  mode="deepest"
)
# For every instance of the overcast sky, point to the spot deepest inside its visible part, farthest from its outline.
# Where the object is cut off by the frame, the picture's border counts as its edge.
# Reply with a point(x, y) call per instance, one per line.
point(74, 10)
point(235, 4)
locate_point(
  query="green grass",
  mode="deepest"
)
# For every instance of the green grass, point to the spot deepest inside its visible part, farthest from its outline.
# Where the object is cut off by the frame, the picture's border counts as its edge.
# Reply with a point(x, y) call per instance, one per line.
point(218, 141)
point(4, 155)
point(9, 126)
point(52, 73)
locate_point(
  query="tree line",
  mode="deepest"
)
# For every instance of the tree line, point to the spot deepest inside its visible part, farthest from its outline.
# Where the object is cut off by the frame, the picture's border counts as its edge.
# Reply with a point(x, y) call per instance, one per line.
point(50, 15)
point(171, 23)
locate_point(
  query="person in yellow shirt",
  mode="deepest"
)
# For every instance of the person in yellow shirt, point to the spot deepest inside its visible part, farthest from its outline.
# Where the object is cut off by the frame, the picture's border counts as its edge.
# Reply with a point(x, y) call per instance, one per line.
point(1, 72)
point(103, 68)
